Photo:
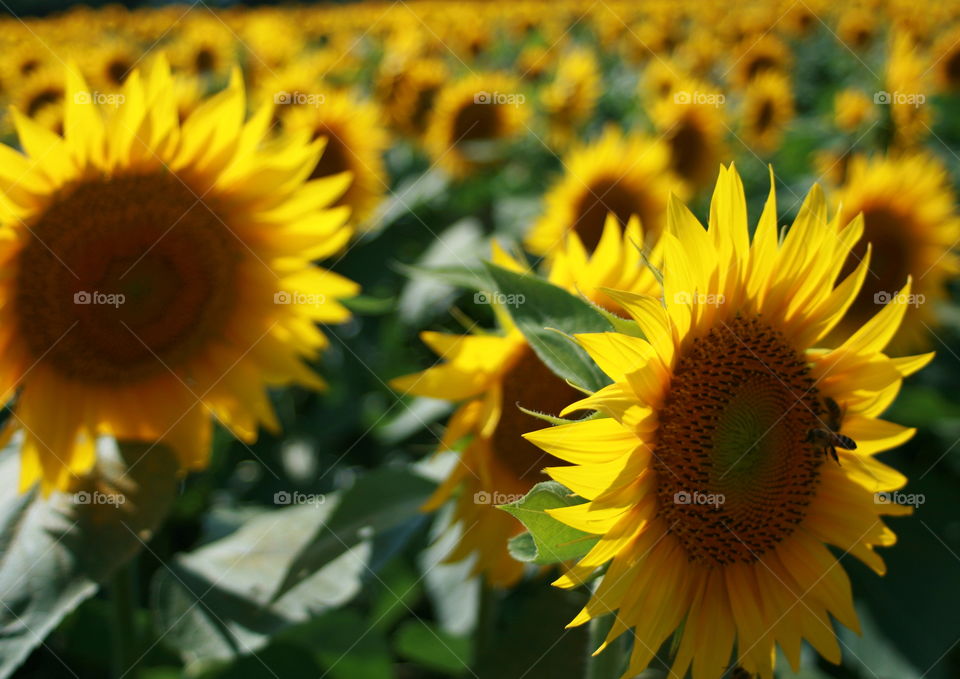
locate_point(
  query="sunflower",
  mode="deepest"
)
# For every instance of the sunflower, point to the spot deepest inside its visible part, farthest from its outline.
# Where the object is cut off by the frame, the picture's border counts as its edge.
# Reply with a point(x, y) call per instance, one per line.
point(945, 56)
point(660, 80)
point(857, 28)
point(534, 62)
point(570, 98)
point(407, 88)
point(910, 221)
point(203, 46)
point(831, 165)
point(469, 116)
point(27, 55)
point(693, 124)
point(706, 478)
point(767, 110)
point(624, 174)
point(107, 66)
point(489, 375)
point(906, 79)
point(176, 274)
point(355, 143)
point(40, 97)
point(851, 109)
point(756, 55)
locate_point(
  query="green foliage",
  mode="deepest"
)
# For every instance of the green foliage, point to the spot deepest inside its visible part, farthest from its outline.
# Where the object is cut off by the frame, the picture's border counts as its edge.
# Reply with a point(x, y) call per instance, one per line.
point(547, 540)
point(540, 309)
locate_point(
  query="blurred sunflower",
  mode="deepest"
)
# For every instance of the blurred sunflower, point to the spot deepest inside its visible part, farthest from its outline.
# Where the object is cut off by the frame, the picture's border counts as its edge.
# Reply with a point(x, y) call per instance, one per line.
point(471, 117)
point(851, 109)
point(945, 57)
point(27, 55)
point(756, 55)
point(570, 98)
point(624, 174)
point(490, 375)
point(108, 65)
point(767, 110)
point(831, 166)
point(910, 221)
point(407, 90)
point(660, 80)
point(857, 28)
point(534, 62)
point(713, 505)
point(905, 78)
point(40, 97)
point(355, 143)
point(203, 46)
point(177, 274)
point(693, 124)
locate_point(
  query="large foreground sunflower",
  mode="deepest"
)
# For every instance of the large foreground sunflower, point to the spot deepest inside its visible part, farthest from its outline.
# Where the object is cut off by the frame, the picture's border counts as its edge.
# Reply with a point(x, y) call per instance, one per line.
point(489, 375)
point(620, 173)
point(710, 481)
point(156, 273)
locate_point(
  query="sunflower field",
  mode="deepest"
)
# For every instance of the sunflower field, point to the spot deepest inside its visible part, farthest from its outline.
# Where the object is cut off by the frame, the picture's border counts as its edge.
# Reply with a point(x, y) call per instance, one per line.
point(580, 339)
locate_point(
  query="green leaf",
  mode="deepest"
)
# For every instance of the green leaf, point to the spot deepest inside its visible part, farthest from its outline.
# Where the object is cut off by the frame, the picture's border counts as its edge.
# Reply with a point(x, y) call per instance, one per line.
point(433, 648)
point(55, 551)
point(458, 276)
point(282, 568)
point(379, 501)
point(455, 248)
point(547, 541)
point(214, 603)
point(405, 198)
point(539, 310)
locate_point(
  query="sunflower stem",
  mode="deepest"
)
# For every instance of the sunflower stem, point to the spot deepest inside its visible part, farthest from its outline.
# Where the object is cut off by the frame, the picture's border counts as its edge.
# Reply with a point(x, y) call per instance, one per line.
point(123, 622)
point(486, 623)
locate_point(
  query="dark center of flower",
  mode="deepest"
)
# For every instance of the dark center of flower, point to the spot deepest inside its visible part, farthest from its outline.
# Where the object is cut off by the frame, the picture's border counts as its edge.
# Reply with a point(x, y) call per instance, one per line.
point(765, 116)
point(205, 60)
point(336, 155)
point(42, 99)
point(890, 264)
point(421, 109)
point(476, 121)
point(121, 279)
point(735, 471)
point(609, 195)
point(530, 384)
point(760, 64)
point(687, 144)
point(952, 68)
point(117, 71)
